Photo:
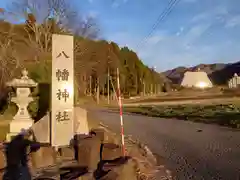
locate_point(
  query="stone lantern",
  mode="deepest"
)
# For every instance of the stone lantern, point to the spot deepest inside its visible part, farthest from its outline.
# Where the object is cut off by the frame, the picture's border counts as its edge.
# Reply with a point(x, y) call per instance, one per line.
point(22, 119)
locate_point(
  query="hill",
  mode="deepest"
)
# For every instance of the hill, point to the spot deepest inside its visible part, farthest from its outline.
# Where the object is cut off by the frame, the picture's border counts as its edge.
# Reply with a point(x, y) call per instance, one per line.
point(218, 73)
point(22, 47)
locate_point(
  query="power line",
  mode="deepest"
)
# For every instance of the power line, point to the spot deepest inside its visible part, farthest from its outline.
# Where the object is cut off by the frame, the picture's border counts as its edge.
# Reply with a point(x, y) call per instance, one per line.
point(160, 18)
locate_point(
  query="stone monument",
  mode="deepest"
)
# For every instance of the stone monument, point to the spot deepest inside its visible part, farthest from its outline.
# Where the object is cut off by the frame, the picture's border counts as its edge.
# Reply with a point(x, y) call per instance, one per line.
point(22, 119)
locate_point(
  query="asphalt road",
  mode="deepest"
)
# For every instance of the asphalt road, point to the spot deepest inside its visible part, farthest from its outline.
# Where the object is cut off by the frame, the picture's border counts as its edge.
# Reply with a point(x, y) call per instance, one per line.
point(191, 150)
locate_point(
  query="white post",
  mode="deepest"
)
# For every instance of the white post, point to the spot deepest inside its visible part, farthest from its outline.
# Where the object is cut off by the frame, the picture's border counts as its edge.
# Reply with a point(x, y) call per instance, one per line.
point(121, 113)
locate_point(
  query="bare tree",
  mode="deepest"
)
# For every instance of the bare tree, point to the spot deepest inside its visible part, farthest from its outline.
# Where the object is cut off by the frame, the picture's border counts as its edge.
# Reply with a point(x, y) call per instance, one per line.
point(45, 17)
point(87, 28)
point(41, 18)
point(9, 61)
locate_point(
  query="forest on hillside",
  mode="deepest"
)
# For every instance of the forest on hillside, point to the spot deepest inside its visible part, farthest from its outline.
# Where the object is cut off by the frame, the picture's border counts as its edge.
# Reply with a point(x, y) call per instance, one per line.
point(26, 29)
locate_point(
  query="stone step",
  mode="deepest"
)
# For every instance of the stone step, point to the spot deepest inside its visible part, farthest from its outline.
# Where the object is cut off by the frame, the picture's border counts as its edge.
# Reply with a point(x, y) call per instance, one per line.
point(53, 171)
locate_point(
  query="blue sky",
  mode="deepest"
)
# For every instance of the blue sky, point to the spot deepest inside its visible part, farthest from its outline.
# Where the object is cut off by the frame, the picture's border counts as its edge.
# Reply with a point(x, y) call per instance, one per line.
point(197, 31)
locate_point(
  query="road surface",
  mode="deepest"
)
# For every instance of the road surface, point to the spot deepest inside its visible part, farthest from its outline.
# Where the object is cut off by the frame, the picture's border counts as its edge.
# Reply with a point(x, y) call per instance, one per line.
point(191, 150)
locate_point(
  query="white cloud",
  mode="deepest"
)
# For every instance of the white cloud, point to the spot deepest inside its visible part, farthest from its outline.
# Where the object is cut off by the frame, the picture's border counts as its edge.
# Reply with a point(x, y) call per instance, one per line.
point(220, 10)
point(93, 14)
point(190, 1)
point(156, 37)
point(180, 31)
point(233, 22)
point(219, 14)
point(211, 14)
point(196, 31)
point(117, 3)
point(199, 17)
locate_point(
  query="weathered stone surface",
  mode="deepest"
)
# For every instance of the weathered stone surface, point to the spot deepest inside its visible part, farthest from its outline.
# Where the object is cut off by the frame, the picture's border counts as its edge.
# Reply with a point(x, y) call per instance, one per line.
point(110, 137)
point(67, 153)
point(89, 152)
point(111, 151)
point(105, 136)
point(44, 157)
point(100, 133)
point(80, 121)
point(41, 129)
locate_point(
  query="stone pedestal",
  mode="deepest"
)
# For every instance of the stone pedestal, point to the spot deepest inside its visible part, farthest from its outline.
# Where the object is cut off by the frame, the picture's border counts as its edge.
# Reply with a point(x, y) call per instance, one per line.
point(16, 126)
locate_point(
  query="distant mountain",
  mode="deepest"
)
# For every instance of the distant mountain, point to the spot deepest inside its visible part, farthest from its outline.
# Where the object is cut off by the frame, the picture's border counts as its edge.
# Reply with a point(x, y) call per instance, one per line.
point(218, 73)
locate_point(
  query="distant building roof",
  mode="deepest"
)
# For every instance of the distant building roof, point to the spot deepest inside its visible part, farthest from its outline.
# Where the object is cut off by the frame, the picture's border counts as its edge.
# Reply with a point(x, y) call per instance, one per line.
point(196, 79)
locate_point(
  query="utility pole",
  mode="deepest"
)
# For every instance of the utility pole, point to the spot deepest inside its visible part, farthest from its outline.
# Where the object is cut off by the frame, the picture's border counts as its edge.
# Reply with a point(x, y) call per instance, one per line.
point(108, 83)
point(90, 86)
point(108, 86)
point(155, 88)
point(144, 88)
point(136, 85)
point(151, 89)
point(98, 90)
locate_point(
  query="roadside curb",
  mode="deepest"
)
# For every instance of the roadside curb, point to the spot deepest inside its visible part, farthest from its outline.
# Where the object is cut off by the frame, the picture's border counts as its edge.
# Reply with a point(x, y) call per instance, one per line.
point(149, 154)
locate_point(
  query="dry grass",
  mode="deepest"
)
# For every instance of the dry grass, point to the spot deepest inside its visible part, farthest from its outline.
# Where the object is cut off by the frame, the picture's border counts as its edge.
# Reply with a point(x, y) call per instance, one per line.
point(4, 128)
point(4, 123)
point(222, 114)
point(169, 99)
